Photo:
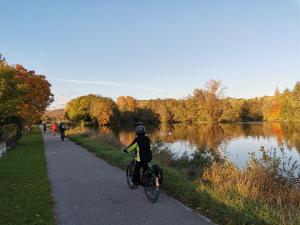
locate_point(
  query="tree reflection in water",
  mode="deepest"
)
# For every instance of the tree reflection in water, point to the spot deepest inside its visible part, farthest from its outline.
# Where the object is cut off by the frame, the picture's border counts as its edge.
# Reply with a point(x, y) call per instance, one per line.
point(217, 137)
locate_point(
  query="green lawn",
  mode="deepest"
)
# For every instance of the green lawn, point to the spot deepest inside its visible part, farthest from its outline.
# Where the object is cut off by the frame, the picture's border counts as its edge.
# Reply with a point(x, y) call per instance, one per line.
point(25, 194)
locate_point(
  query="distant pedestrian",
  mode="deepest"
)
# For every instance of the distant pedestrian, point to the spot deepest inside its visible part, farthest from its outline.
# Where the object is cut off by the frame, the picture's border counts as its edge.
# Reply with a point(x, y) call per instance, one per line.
point(44, 126)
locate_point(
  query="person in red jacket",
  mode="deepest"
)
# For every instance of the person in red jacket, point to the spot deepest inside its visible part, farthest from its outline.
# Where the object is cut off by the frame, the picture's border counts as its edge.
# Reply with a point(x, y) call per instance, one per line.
point(54, 128)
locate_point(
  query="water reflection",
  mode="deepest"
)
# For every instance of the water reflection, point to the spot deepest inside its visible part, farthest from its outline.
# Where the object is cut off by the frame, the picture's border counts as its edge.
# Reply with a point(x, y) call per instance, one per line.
point(233, 140)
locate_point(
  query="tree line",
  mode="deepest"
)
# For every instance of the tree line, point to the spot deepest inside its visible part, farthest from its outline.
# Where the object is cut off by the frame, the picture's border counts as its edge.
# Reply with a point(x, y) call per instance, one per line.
point(24, 97)
point(206, 104)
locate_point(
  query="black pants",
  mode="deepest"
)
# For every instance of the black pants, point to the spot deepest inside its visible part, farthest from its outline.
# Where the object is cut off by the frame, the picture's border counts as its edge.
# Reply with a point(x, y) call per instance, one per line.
point(137, 171)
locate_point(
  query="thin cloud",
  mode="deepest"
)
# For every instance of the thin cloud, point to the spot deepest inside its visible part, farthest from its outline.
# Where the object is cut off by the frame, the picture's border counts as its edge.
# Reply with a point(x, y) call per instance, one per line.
point(106, 83)
point(61, 101)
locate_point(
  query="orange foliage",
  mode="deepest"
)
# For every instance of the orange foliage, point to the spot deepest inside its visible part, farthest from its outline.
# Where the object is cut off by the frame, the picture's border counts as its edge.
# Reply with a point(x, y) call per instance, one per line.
point(38, 95)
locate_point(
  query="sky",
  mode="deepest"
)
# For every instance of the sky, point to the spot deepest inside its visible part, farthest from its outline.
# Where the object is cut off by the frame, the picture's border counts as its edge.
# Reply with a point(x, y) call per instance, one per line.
point(154, 49)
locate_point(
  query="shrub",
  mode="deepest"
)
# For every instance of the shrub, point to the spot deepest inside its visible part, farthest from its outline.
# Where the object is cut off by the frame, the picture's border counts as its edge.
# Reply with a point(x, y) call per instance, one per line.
point(10, 134)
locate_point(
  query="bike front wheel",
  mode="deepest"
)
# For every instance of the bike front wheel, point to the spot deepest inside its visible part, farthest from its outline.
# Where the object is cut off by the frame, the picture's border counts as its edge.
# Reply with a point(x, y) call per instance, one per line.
point(62, 136)
point(129, 176)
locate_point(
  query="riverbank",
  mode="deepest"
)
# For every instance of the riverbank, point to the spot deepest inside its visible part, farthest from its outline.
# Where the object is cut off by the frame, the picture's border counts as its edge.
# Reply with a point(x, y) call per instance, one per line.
point(25, 190)
point(223, 207)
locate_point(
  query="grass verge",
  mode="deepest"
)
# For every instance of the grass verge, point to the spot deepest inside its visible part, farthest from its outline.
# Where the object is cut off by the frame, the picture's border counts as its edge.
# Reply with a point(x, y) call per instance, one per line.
point(25, 193)
point(219, 207)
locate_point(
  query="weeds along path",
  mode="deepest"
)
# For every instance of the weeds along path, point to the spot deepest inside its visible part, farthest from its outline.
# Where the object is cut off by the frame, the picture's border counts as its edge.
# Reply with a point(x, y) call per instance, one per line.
point(89, 191)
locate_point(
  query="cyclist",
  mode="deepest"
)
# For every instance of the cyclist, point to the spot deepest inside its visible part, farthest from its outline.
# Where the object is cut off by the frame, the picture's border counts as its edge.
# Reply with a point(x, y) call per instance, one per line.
point(54, 128)
point(141, 144)
point(62, 129)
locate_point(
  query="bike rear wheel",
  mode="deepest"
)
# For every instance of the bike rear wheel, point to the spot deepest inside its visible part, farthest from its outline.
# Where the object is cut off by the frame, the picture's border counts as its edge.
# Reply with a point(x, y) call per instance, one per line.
point(150, 187)
point(62, 136)
point(129, 176)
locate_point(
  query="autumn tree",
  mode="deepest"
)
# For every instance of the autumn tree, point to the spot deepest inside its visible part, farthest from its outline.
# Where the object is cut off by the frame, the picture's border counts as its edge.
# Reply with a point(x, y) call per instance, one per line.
point(179, 110)
point(165, 114)
point(271, 107)
point(24, 97)
point(232, 109)
point(209, 100)
point(126, 103)
point(276, 105)
point(296, 101)
point(215, 91)
point(37, 98)
point(128, 108)
point(104, 111)
point(147, 115)
point(286, 109)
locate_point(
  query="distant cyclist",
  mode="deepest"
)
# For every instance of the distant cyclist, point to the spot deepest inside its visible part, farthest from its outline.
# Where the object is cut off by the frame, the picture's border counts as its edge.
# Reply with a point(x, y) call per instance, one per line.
point(62, 129)
point(54, 128)
point(141, 144)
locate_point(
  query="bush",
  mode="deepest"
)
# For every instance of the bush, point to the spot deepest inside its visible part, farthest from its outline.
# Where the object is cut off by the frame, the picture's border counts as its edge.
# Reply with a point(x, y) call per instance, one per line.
point(10, 134)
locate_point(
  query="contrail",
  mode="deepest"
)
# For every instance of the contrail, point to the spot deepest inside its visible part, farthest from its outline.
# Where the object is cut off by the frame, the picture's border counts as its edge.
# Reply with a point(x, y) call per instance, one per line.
point(107, 83)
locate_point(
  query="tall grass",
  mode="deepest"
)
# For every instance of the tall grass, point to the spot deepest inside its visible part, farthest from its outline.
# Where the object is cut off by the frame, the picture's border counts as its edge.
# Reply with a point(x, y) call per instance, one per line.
point(267, 179)
point(270, 179)
point(103, 137)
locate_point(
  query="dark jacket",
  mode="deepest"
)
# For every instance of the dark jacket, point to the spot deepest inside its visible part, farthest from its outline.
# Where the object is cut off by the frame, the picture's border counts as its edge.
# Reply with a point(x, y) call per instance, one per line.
point(142, 145)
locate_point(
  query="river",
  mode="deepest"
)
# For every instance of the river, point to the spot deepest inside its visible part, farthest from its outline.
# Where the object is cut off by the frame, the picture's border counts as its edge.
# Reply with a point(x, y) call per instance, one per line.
point(234, 141)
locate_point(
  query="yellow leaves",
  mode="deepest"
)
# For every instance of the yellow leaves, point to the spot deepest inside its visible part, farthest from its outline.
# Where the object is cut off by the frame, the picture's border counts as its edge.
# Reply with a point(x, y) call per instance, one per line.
point(126, 103)
point(103, 110)
point(38, 95)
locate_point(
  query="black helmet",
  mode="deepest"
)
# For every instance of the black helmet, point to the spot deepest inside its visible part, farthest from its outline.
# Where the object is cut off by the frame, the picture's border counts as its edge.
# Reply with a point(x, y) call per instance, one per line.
point(140, 124)
point(140, 129)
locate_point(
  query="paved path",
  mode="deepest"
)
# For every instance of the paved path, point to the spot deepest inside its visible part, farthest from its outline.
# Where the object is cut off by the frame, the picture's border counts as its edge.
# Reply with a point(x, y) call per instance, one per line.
point(89, 191)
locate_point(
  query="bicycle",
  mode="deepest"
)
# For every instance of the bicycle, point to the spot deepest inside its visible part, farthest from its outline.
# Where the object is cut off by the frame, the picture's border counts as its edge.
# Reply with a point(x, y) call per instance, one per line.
point(54, 132)
point(62, 135)
point(150, 179)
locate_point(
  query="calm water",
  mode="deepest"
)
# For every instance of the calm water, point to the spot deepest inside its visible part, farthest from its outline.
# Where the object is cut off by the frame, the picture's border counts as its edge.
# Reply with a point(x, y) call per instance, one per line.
point(235, 141)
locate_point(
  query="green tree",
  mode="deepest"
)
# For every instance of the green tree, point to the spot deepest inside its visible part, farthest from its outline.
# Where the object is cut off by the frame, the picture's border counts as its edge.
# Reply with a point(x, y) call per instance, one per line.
point(11, 91)
point(79, 108)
